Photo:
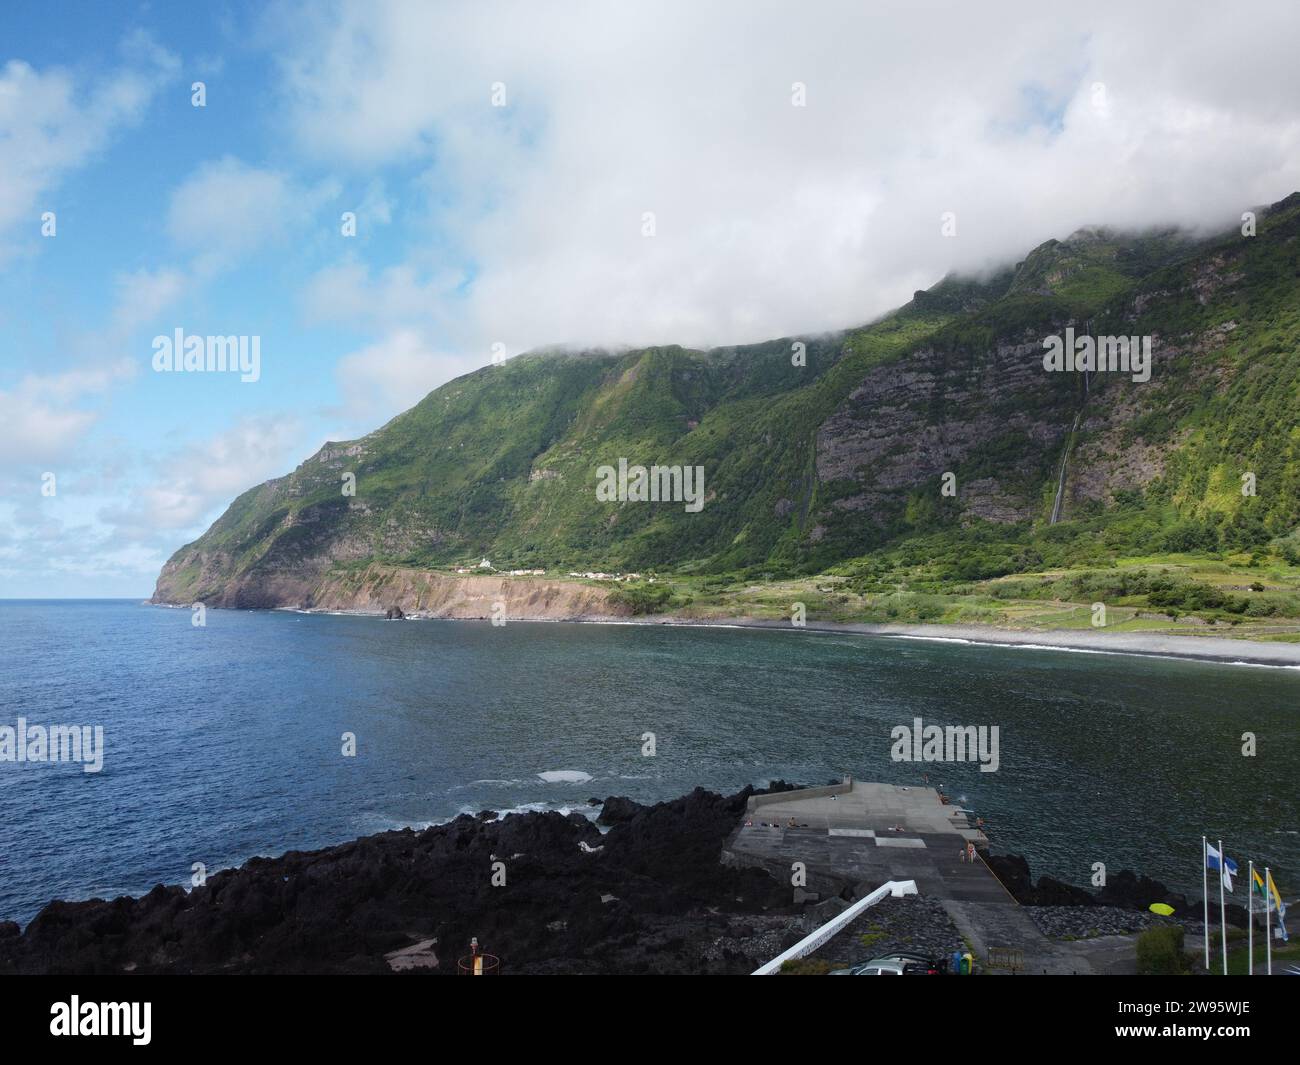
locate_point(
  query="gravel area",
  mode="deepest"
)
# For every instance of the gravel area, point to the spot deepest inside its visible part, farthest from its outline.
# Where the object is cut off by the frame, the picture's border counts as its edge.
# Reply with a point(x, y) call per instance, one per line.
point(757, 939)
point(914, 923)
point(1088, 922)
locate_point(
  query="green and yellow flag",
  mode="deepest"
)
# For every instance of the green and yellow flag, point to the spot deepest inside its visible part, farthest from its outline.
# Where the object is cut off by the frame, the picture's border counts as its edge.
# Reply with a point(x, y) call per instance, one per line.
point(1273, 898)
point(1272, 891)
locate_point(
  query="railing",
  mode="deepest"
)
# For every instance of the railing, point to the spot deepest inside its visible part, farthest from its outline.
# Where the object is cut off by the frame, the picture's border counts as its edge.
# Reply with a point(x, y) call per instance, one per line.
point(814, 939)
point(1010, 958)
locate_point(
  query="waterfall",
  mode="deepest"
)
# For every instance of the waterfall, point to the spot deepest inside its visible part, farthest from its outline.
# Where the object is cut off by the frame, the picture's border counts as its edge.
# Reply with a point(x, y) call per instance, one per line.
point(1065, 457)
point(1060, 480)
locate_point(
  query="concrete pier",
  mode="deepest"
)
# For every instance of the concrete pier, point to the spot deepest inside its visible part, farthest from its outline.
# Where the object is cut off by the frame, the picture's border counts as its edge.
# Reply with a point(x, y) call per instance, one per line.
point(868, 833)
point(860, 835)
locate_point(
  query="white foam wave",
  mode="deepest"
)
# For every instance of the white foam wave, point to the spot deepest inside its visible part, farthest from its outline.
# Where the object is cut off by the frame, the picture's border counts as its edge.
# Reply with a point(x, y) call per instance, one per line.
point(565, 776)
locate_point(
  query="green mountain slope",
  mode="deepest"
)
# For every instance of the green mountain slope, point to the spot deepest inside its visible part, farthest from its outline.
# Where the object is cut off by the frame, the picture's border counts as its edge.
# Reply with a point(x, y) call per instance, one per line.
point(838, 463)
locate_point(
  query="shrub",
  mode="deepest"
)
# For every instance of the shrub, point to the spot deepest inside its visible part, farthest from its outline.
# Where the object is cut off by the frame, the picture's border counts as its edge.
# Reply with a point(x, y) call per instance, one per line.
point(643, 598)
point(1160, 950)
point(806, 967)
point(1186, 536)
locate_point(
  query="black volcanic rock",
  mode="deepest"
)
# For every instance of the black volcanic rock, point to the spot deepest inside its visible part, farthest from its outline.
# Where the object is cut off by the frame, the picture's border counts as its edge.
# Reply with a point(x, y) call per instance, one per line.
point(617, 810)
point(649, 896)
point(1132, 892)
point(1053, 892)
point(1124, 890)
point(1013, 871)
point(780, 785)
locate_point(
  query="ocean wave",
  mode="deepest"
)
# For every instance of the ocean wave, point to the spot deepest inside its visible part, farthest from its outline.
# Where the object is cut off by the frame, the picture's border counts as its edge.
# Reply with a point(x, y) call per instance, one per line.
point(1166, 655)
point(541, 807)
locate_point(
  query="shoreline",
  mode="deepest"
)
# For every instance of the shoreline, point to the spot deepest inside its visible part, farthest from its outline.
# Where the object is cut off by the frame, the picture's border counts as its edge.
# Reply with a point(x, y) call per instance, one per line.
point(1216, 650)
point(646, 892)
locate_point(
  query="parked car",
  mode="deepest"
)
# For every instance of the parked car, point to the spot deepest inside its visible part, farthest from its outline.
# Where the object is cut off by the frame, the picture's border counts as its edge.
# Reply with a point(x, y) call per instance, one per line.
point(894, 965)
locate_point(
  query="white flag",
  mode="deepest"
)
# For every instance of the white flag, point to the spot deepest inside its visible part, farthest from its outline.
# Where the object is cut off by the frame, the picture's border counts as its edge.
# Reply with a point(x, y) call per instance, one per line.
point(1229, 866)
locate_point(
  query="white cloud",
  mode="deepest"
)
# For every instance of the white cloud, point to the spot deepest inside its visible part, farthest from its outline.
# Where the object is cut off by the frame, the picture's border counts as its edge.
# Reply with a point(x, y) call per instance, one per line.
point(348, 292)
point(202, 477)
point(142, 295)
point(392, 375)
point(52, 122)
point(53, 547)
point(226, 209)
point(117, 515)
point(44, 417)
point(772, 218)
point(376, 208)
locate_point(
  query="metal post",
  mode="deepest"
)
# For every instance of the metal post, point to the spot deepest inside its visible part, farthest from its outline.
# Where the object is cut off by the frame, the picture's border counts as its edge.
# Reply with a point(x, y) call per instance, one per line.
point(1250, 918)
point(1223, 908)
point(1268, 925)
point(1205, 894)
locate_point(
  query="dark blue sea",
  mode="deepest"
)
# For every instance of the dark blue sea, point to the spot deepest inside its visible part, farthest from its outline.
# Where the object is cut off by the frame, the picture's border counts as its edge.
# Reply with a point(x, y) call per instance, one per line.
point(225, 741)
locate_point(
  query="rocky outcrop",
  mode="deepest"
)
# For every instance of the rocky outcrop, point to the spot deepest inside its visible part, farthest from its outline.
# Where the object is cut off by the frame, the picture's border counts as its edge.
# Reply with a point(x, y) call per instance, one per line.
point(1124, 890)
point(544, 892)
point(617, 810)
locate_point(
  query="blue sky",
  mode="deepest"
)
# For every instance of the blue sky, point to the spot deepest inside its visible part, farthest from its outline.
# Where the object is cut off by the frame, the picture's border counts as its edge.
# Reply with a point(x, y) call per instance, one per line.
point(521, 225)
point(126, 233)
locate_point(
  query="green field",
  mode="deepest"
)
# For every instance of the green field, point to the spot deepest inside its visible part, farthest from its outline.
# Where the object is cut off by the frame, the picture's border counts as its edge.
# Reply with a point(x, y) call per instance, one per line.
point(1042, 601)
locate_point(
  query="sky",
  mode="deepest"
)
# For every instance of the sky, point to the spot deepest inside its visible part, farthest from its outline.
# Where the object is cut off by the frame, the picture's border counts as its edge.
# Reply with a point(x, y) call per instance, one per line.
point(531, 174)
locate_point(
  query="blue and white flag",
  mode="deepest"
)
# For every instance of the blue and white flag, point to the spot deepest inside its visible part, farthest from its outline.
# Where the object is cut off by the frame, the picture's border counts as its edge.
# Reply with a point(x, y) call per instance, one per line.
point(1229, 866)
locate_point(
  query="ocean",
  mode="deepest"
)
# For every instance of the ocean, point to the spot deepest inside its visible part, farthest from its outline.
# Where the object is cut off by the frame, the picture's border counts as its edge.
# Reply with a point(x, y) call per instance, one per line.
point(226, 741)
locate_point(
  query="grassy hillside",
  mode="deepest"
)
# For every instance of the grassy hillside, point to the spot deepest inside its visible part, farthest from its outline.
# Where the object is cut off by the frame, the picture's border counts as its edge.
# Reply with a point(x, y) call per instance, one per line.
point(836, 467)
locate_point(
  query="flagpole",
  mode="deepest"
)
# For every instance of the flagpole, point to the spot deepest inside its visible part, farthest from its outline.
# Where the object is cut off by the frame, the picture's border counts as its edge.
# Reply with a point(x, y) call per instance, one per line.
point(1268, 928)
point(1205, 894)
point(1223, 908)
point(1250, 918)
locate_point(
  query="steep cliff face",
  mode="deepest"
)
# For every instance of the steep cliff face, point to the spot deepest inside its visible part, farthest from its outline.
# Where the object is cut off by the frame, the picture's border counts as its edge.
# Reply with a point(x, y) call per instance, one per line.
point(820, 449)
point(973, 400)
point(935, 411)
point(377, 588)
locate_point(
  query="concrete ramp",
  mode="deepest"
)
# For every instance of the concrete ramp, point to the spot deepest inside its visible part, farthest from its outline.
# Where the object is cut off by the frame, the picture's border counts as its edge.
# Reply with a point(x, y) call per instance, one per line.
point(987, 926)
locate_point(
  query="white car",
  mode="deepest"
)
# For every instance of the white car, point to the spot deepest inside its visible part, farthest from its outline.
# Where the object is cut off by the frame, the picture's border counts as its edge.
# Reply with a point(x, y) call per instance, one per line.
point(893, 965)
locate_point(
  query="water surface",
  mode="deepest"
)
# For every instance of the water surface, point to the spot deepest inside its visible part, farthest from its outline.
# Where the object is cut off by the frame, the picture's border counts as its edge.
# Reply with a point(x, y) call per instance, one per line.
point(225, 741)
